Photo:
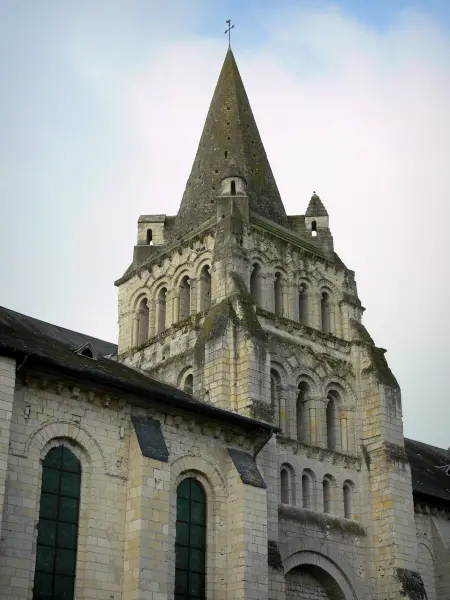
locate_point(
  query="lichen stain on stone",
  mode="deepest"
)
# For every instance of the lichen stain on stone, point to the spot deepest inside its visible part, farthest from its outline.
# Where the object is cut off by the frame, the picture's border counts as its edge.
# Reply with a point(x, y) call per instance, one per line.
point(412, 584)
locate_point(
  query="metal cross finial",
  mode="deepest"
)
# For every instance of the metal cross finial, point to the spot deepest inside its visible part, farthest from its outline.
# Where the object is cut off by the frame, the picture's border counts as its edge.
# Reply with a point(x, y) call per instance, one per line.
point(230, 27)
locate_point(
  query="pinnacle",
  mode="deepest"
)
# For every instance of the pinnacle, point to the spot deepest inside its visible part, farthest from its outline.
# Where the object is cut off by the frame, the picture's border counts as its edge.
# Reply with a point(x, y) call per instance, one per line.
point(316, 207)
point(230, 137)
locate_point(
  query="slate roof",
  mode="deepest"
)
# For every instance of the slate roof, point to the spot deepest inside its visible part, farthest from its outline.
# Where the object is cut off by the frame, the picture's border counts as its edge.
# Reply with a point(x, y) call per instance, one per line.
point(49, 345)
point(316, 207)
point(428, 480)
point(230, 131)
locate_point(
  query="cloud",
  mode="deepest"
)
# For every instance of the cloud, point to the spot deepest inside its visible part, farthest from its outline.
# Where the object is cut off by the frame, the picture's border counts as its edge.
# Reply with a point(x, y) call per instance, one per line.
point(360, 115)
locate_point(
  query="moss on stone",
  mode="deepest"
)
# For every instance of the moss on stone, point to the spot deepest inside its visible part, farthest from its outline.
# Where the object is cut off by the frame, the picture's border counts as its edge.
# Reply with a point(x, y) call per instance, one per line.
point(378, 363)
point(261, 411)
point(246, 316)
point(396, 453)
point(366, 456)
point(412, 584)
point(274, 556)
point(213, 327)
point(324, 522)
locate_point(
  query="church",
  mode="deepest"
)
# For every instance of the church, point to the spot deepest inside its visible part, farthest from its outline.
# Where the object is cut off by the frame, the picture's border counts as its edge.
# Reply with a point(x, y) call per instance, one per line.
point(243, 440)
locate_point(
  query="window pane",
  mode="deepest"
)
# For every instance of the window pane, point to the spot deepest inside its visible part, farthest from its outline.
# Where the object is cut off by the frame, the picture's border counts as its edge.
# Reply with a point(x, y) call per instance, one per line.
point(50, 480)
point(182, 534)
point(43, 585)
point(53, 458)
point(70, 484)
point(45, 559)
point(47, 532)
point(182, 557)
point(70, 462)
point(197, 537)
point(63, 588)
point(197, 492)
point(67, 535)
point(181, 581)
point(184, 489)
point(197, 560)
point(49, 506)
point(68, 510)
point(196, 585)
point(198, 513)
point(182, 509)
point(65, 562)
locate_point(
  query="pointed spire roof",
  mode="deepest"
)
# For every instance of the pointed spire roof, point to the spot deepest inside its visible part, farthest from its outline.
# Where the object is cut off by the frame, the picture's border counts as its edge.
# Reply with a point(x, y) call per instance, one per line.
point(230, 132)
point(316, 207)
point(233, 171)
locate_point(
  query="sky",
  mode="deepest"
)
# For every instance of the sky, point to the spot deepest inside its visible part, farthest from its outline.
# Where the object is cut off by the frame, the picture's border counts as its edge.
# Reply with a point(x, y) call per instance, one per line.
point(103, 102)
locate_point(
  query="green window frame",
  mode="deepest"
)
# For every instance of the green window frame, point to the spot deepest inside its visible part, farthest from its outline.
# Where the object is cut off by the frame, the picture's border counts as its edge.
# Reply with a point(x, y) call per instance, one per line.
point(190, 541)
point(59, 507)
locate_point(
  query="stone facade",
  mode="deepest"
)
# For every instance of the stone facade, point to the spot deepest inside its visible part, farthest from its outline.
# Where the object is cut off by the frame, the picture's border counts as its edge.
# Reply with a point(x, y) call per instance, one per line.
point(257, 317)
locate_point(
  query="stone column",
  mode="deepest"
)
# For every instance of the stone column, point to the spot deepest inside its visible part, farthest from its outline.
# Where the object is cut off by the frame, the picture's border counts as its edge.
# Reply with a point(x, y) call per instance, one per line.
point(283, 395)
point(313, 423)
point(268, 296)
point(285, 298)
point(291, 409)
point(176, 308)
point(316, 320)
point(344, 434)
point(152, 326)
point(195, 300)
point(135, 330)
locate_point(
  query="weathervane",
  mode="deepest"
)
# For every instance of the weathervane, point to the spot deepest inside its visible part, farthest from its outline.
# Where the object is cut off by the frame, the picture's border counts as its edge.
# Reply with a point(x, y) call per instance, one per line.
point(230, 27)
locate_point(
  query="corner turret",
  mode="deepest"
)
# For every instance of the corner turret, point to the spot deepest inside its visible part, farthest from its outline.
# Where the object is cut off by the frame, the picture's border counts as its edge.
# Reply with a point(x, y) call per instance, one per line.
point(317, 224)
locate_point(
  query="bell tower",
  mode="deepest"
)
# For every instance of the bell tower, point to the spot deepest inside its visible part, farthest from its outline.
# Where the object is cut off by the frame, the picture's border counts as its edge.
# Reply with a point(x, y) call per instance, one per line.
point(252, 310)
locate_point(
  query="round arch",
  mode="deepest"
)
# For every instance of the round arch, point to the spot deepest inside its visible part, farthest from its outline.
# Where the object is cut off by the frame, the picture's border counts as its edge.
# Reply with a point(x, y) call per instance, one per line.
point(40, 439)
point(318, 554)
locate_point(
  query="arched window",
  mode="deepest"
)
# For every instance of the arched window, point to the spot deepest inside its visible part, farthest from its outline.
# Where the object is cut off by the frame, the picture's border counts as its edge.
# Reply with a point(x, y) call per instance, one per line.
point(287, 485)
point(303, 304)
point(348, 499)
point(325, 312)
point(284, 480)
point(255, 284)
point(278, 294)
point(332, 402)
point(162, 308)
point(190, 541)
point(302, 413)
point(56, 551)
point(275, 396)
point(326, 488)
point(307, 489)
point(205, 288)
point(233, 188)
point(185, 298)
point(314, 228)
point(149, 237)
point(143, 321)
point(189, 383)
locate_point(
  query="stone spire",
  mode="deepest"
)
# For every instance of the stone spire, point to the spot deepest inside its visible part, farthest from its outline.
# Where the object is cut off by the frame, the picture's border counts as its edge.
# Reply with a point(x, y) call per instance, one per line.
point(316, 207)
point(230, 133)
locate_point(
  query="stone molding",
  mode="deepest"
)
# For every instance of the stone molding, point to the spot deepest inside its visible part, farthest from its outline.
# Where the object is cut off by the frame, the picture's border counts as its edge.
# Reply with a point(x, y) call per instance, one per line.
point(295, 553)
